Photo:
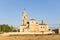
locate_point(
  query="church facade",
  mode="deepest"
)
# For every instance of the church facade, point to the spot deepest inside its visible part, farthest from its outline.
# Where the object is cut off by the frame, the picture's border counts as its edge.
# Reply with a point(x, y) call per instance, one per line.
point(32, 25)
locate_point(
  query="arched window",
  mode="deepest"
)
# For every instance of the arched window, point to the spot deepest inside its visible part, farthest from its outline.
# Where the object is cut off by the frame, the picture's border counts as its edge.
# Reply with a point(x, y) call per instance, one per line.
point(32, 22)
point(43, 26)
point(24, 16)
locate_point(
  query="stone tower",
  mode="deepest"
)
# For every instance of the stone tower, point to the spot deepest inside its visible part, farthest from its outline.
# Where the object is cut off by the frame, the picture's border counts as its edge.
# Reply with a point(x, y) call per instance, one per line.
point(24, 18)
point(43, 22)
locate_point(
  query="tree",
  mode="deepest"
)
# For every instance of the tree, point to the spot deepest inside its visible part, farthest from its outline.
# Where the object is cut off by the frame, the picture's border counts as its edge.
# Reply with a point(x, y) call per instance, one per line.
point(6, 28)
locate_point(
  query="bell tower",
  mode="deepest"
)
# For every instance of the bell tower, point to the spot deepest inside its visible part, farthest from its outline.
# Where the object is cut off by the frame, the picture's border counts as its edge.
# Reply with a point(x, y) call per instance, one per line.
point(24, 18)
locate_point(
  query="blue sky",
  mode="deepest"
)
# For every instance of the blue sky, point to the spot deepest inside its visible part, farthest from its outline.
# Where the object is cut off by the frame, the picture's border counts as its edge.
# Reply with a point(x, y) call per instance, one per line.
point(11, 11)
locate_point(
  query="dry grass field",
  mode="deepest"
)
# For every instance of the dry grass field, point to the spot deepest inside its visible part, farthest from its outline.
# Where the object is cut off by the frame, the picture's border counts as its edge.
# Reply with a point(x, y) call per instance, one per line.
point(30, 37)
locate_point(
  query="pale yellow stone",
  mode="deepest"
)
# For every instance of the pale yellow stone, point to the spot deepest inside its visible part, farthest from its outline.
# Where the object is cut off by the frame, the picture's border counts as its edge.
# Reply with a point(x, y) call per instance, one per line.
point(32, 25)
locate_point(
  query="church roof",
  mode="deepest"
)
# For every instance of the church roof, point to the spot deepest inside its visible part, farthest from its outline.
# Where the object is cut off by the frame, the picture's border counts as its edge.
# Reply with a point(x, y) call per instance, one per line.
point(32, 19)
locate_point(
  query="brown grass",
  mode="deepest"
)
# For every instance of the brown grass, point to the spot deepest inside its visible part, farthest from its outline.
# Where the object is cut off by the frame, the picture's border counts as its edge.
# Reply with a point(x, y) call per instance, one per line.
point(30, 37)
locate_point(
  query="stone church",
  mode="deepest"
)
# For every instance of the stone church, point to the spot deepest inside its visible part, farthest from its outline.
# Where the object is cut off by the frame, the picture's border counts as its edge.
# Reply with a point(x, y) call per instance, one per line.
point(32, 25)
